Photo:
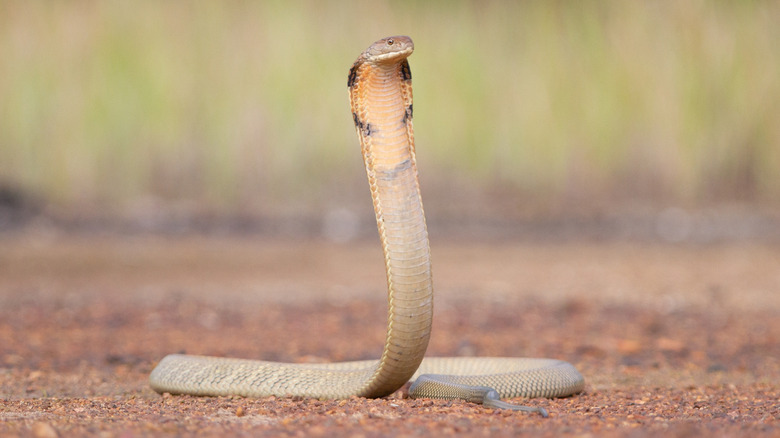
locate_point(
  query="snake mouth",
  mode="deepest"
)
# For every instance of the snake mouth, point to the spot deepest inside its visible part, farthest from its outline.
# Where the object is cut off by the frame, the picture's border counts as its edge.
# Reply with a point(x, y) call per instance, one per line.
point(391, 57)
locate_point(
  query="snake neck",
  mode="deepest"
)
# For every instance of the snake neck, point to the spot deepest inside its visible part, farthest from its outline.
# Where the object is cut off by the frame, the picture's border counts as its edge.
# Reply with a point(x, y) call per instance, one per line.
point(382, 102)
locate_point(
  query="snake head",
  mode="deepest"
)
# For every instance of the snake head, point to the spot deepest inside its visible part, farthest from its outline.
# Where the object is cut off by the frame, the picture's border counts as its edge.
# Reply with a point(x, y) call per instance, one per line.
point(390, 49)
point(385, 52)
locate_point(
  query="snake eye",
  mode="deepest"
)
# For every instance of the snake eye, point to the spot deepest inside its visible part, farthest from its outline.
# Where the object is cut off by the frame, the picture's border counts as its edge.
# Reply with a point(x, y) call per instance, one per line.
point(390, 42)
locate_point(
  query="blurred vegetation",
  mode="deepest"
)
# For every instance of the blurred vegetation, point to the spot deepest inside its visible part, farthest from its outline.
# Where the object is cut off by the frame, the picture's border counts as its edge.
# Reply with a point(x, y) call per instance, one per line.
point(242, 106)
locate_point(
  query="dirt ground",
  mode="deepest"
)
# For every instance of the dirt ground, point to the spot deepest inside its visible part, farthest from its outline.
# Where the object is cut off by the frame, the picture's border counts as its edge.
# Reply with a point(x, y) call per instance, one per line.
point(679, 340)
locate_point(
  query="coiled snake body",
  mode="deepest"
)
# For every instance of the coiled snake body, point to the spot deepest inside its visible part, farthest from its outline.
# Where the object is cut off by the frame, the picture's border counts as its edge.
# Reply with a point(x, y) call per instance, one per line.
point(380, 89)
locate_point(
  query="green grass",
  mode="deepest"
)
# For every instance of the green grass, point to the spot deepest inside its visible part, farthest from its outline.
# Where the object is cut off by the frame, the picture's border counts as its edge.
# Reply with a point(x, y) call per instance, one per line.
point(243, 105)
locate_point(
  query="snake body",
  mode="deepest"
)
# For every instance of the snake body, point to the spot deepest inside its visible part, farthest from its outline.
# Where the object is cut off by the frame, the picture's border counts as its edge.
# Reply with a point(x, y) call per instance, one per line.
point(380, 89)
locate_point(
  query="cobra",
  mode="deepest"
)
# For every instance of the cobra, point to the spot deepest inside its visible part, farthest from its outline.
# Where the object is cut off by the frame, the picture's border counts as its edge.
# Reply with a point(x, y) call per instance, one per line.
point(380, 91)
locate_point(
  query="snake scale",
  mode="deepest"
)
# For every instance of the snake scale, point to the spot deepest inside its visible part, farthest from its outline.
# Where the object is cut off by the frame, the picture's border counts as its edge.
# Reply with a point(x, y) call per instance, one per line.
point(380, 90)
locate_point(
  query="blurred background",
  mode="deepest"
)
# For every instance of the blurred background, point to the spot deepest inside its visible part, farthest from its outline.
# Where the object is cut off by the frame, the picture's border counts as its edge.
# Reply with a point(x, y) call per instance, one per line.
point(602, 118)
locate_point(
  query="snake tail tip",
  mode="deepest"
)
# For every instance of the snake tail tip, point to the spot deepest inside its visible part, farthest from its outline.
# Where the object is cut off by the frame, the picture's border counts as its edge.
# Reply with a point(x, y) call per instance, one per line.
point(492, 400)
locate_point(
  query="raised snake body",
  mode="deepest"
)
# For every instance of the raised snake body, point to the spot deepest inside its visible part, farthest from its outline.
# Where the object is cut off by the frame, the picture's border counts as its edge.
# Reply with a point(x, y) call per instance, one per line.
point(380, 89)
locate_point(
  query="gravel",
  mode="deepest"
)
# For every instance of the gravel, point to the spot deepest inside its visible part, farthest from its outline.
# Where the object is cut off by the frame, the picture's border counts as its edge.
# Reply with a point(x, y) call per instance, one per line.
point(679, 340)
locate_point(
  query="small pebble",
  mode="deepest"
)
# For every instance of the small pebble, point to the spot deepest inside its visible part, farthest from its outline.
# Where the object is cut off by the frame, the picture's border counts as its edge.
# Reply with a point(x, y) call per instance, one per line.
point(43, 430)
